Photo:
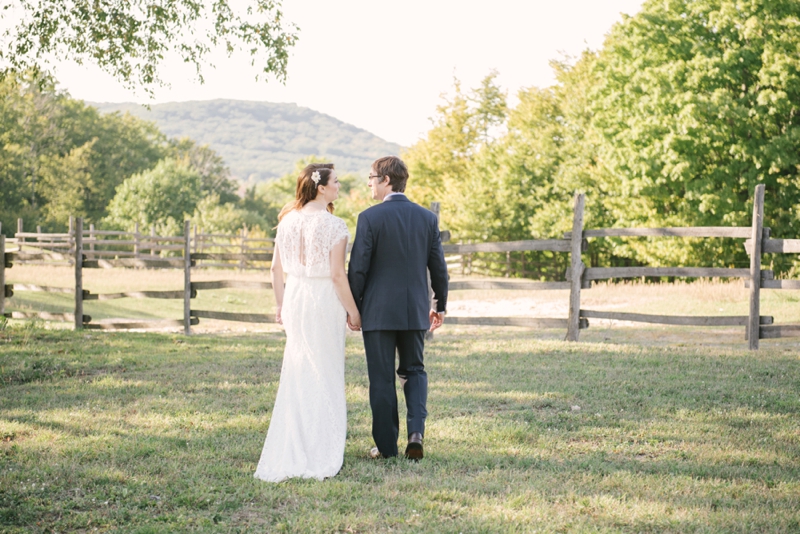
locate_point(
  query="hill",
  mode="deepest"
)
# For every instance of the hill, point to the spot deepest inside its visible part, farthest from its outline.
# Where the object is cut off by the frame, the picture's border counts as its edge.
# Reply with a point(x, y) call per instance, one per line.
point(262, 140)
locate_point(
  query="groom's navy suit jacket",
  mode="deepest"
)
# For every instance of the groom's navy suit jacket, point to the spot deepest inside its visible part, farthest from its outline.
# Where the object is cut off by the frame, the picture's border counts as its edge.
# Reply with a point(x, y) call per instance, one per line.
point(397, 242)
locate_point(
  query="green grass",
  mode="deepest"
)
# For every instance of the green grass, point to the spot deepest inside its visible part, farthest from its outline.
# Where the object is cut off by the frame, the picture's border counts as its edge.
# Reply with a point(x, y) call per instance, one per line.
point(160, 433)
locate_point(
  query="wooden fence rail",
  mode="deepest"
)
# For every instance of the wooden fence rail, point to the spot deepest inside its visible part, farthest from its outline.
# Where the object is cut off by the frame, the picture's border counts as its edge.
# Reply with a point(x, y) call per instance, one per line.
point(241, 251)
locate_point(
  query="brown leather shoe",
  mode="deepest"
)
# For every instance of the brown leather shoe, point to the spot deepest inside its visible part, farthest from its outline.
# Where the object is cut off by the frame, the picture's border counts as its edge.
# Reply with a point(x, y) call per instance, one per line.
point(414, 448)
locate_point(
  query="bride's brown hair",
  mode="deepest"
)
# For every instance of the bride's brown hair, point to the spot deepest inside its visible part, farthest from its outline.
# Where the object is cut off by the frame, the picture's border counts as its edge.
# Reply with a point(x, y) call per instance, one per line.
point(307, 189)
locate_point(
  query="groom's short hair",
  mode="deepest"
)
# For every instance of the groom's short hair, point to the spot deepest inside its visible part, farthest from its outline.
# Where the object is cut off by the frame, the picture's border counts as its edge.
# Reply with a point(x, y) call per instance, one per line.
point(395, 169)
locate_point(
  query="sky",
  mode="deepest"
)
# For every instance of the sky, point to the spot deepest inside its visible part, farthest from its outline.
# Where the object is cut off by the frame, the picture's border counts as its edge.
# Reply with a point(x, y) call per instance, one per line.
point(384, 66)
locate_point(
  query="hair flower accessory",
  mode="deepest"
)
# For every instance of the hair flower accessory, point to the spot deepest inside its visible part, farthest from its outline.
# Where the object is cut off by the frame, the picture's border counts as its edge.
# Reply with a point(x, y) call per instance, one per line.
point(315, 178)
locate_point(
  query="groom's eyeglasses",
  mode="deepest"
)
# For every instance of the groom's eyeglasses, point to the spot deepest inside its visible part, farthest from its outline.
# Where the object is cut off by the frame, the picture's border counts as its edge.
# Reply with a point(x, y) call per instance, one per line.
point(371, 176)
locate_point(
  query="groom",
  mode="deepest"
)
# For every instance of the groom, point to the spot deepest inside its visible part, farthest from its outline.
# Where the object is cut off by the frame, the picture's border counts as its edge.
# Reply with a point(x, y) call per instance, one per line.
point(397, 243)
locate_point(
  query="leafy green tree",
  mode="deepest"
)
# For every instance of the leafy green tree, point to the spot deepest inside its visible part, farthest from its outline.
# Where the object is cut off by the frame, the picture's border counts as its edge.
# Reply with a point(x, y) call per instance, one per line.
point(43, 129)
point(214, 216)
point(489, 109)
point(697, 103)
point(129, 38)
point(255, 202)
point(550, 151)
point(163, 196)
point(122, 145)
point(34, 132)
point(442, 157)
point(65, 185)
point(673, 122)
point(215, 175)
point(14, 191)
point(443, 166)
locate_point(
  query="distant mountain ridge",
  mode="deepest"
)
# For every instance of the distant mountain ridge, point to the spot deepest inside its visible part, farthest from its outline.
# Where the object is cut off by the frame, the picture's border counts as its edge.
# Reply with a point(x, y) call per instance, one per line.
point(262, 140)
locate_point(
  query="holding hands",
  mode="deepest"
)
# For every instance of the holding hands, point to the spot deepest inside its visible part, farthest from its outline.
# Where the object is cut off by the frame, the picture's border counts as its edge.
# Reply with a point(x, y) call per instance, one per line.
point(354, 321)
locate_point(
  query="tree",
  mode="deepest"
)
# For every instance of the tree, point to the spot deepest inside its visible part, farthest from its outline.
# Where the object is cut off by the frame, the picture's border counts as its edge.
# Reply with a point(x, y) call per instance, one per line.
point(216, 217)
point(696, 102)
point(122, 145)
point(673, 122)
point(15, 193)
point(215, 176)
point(550, 150)
point(55, 149)
point(65, 185)
point(36, 132)
point(442, 155)
point(129, 38)
point(442, 167)
point(163, 196)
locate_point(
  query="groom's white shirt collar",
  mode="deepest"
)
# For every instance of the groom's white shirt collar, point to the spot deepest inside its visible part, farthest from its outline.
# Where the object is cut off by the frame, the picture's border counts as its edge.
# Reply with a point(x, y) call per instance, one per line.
point(395, 194)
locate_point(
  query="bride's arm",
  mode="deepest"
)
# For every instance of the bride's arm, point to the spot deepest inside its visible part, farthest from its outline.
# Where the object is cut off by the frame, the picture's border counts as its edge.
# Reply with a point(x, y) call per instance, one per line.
point(341, 285)
point(276, 272)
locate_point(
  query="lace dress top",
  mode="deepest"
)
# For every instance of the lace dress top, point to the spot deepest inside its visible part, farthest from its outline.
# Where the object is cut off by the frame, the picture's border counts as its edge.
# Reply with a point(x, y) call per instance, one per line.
point(305, 241)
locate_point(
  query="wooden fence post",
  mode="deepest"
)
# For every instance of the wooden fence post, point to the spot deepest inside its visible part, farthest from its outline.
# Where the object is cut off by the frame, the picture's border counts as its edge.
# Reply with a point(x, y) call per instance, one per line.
point(187, 280)
point(78, 273)
point(91, 239)
point(576, 269)
point(136, 238)
point(753, 328)
point(152, 240)
point(20, 239)
point(243, 250)
point(2, 276)
point(71, 232)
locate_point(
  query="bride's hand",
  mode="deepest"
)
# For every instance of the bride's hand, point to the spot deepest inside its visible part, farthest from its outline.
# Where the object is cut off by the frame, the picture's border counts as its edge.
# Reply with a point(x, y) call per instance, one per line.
point(278, 318)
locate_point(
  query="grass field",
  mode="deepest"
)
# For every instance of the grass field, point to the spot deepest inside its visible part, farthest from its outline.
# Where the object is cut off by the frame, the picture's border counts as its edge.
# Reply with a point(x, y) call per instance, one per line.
point(657, 429)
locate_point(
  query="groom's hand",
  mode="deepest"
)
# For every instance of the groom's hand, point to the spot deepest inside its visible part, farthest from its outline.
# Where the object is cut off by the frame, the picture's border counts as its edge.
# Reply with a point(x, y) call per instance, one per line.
point(436, 320)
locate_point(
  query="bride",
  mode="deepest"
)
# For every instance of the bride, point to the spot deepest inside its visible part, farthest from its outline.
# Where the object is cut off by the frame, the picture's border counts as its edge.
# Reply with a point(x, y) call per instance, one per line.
point(306, 435)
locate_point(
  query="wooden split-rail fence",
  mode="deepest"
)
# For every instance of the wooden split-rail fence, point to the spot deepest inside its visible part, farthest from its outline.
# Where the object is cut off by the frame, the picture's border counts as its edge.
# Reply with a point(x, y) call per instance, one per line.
point(112, 249)
point(756, 239)
point(245, 249)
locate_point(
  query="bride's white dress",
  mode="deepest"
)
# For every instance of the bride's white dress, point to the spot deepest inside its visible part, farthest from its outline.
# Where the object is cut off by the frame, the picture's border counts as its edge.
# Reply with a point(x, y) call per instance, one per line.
point(308, 427)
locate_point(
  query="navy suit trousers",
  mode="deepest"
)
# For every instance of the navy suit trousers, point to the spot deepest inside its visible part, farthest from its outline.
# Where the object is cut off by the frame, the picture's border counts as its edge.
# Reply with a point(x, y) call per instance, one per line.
point(381, 347)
